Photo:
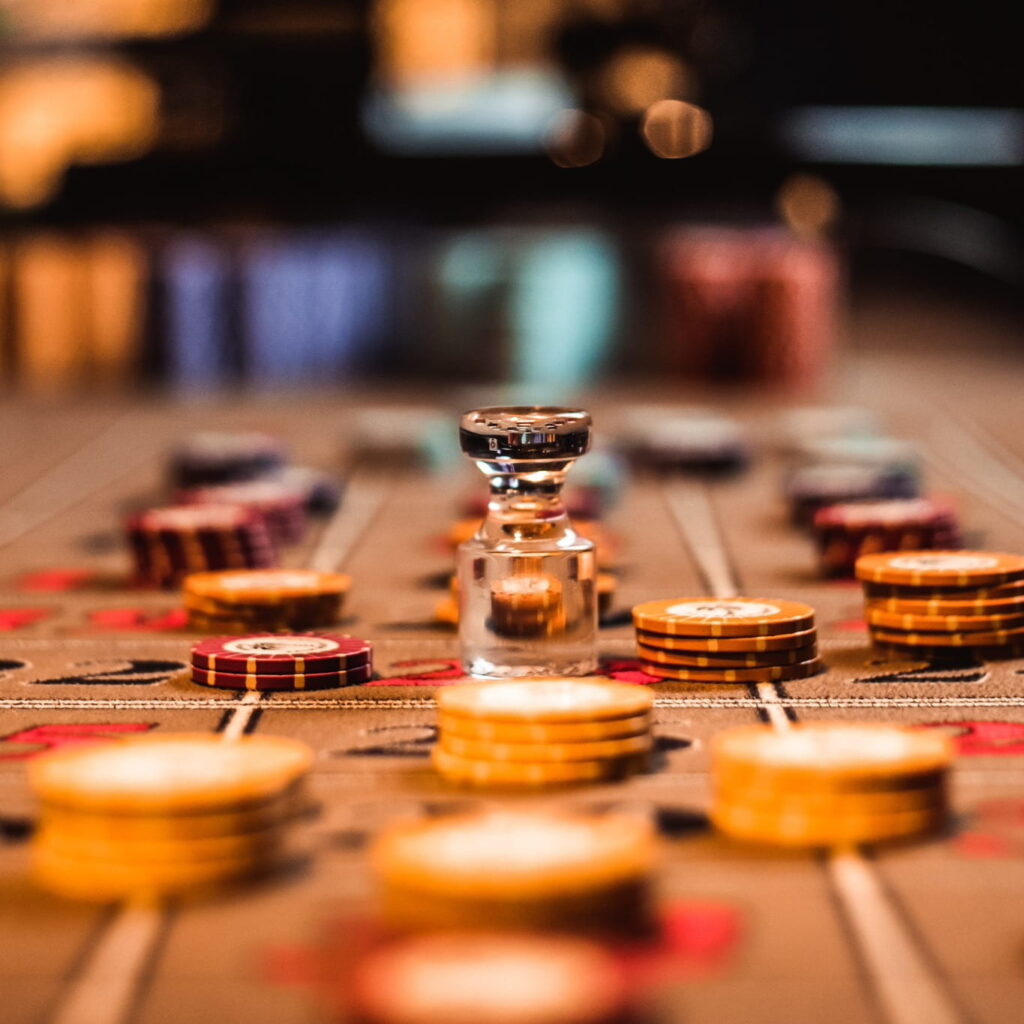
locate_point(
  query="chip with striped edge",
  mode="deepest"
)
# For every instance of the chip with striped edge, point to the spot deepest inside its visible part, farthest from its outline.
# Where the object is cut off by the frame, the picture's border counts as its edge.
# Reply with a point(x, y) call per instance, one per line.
point(281, 654)
point(729, 617)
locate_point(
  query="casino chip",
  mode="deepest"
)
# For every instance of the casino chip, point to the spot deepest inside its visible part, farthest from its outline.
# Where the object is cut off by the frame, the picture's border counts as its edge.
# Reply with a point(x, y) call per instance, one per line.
point(546, 751)
point(545, 700)
point(207, 459)
point(255, 681)
point(732, 617)
point(282, 506)
point(251, 601)
point(941, 568)
point(541, 732)
point(991, 639)
point(288, 662)
point(730, 645)
point(810, 488)
point(935, 602)
point(517, 869)
point(845, 532)
point(169, 543)
point(829, 784)
point(651, 651)
point(911, 623)
point(170, 813)
point(498, 978)
point(769, 673)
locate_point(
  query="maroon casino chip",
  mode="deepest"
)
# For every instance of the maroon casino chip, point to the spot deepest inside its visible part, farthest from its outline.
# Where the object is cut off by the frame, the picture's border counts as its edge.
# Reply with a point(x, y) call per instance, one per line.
point(273, 654)
point(319, 681)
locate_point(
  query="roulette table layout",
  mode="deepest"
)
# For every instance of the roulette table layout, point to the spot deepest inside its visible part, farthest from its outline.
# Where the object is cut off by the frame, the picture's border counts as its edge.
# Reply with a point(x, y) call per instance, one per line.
point(926, 931)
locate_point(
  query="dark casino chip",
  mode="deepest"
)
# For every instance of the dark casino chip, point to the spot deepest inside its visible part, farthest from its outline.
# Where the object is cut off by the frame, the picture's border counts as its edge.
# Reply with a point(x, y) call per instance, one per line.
point(272, 654)
point(265, 681)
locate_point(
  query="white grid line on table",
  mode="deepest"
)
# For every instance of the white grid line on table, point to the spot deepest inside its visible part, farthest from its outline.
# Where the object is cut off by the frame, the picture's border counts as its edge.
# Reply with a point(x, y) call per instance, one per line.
point(272, 700)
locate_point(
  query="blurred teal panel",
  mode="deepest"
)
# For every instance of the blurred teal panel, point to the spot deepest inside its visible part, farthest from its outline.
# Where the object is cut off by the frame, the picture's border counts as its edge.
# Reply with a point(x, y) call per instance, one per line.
point(564, 308)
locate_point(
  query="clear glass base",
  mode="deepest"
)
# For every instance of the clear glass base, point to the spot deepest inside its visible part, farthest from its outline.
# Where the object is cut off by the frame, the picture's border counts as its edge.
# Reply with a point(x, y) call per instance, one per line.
point(528, 613)
point(481, 669)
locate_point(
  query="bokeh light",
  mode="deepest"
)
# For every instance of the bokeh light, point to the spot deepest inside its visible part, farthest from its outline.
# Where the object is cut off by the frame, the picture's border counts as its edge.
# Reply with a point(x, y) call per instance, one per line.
point(576, 139)
point(808, 205)
point(638, 76)
point(674, 129)
point(55, 113)
point(434, 39)
point(100, 19)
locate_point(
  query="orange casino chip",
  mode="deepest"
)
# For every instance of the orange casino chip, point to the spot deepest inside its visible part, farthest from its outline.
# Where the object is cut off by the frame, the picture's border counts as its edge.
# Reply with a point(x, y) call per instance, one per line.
point(493, 977)
point(795, 829)
point(947, 605)
point(991, 638)
point(264, 586)
point(514, 774)
point(829, 755)
point(911, 623)
point(512, 855)
point(691, 659)
point(546, 752)
point(940, 568)
point(106, 880)
point(730, 617)
point(770, 673)
point(542, 732)
point(728, 645)
point(172, 773)
point(555, 699)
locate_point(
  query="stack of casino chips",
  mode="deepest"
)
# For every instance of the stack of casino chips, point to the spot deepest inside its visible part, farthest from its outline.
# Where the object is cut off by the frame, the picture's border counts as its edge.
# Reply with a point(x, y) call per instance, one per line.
point(263, 600)
point(275, 662)
point(282, 505)
point(541, 732)
point(942, 603)
point(734, 640)
point(169, 543)
point(845, 532)
point(828, 785)
point(474, 977)
point(165, 814)
point(208, 459)
point(517, 869)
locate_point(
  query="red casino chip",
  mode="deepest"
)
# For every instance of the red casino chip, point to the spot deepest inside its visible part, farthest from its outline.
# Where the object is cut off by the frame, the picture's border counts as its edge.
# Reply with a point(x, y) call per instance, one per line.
point(271, 654)
point(254, 681)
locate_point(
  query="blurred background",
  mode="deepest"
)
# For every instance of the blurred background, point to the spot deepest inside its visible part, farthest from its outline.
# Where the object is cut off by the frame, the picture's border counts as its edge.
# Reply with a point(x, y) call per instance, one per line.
point(207, 194)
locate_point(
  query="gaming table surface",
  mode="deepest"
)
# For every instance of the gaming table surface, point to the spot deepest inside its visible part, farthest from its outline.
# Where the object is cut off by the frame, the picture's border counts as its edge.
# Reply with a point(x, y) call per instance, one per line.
point(928, 932)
